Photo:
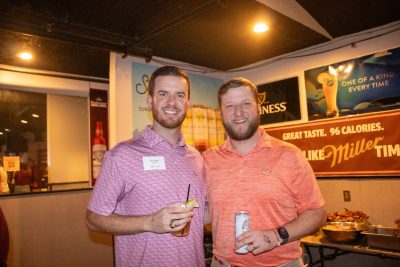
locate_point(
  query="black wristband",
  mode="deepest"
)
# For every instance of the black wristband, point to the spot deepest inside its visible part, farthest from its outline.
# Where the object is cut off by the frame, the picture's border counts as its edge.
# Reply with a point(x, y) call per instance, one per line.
point(283, 234)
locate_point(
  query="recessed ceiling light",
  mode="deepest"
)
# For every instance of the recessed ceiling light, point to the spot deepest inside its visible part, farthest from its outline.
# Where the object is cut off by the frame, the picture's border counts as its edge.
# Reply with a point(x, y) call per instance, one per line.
point(35, 115)
point(1, 133)
point(260, 27)
point(24, 121)
point(25, 56)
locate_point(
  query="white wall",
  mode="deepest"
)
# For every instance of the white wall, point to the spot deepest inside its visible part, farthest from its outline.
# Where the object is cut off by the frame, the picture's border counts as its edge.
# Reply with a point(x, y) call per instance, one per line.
point(120, 100)
point(379, 198)
point(48, 230)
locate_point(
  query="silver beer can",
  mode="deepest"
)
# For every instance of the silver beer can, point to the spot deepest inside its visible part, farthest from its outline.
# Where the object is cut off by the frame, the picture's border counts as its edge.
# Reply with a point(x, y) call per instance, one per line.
point(242, 221)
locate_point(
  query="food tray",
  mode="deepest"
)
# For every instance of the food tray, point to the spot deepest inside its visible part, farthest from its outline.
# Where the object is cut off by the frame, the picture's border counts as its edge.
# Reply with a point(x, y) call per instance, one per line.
point(344, 232)
point(383, 237)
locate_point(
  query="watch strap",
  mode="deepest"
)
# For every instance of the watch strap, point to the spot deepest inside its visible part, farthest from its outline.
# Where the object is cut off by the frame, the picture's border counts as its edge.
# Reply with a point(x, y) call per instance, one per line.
point(283, 236)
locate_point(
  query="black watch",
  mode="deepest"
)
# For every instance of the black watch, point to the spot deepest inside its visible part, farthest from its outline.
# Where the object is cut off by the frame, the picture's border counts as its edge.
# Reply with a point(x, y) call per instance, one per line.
point(283, 234)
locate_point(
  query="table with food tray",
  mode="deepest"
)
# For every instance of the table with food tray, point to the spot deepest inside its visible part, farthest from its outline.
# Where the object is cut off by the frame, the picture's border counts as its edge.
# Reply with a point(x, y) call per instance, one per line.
point(323, 244)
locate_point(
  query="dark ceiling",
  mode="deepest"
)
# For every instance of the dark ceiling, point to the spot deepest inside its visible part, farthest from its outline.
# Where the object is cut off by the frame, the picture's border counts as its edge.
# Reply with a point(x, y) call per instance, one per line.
point(75, 36)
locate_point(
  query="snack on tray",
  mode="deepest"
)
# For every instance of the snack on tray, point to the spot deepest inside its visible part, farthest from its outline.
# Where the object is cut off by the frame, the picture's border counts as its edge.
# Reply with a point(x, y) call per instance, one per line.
point(347, 216)
point(338, 227)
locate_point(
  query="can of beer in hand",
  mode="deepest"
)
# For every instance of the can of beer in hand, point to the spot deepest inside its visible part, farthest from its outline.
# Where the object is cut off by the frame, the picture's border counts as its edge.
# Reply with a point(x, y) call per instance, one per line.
point(241, 226)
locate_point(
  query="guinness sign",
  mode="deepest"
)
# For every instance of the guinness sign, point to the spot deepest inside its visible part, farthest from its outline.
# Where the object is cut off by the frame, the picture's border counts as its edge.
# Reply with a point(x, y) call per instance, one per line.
point(279, 101)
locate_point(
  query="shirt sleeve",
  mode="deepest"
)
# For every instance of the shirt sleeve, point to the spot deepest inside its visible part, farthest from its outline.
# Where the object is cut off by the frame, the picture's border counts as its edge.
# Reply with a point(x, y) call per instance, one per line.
point(305, 189)
point(108, 188)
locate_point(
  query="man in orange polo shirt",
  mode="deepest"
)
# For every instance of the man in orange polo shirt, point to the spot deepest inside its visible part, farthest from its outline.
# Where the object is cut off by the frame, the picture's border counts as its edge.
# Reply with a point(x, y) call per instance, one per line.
point(265, 176)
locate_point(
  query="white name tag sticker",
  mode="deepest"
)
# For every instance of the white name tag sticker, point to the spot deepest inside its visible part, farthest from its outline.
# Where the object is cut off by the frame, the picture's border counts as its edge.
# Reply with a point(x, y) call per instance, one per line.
point(153, 163)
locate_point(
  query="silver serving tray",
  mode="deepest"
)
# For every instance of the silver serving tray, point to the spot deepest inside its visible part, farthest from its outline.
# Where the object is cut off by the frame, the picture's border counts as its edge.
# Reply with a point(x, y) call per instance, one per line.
point(383, 237)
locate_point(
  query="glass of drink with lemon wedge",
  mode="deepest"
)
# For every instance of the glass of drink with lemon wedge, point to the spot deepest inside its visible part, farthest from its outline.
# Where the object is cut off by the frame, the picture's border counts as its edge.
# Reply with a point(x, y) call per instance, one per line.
point(191, 203)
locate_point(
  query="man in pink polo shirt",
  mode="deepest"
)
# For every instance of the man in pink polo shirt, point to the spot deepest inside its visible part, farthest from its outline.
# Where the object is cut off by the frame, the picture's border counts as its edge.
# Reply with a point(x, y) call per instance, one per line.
point(144, 181)
point(265, 176)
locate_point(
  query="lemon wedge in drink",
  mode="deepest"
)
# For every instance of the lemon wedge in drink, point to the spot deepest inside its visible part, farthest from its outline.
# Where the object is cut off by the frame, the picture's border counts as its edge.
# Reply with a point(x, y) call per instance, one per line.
point(192, 203)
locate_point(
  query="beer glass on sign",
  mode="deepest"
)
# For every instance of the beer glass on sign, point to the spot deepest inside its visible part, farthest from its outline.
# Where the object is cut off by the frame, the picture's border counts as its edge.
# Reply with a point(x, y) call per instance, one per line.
point(330, 87)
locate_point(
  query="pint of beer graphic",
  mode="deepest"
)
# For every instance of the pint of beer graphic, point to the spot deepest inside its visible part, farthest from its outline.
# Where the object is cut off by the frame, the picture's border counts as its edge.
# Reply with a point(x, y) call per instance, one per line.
point(330, 87)
point(187, 128)
point(212, 127)
point(200, 128)
point(220, 127)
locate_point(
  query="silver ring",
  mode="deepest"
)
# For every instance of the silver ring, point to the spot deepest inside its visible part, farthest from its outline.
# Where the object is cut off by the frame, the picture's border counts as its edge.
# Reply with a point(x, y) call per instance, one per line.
point(172, 223)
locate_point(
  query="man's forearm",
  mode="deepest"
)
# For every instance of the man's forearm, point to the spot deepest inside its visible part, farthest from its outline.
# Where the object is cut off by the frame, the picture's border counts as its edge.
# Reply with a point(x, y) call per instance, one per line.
point(117, 224)
point(307, 223)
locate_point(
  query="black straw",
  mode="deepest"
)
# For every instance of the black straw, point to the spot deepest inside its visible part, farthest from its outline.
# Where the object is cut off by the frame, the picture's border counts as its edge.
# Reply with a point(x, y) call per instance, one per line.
point(187, 199)
point(188, 192)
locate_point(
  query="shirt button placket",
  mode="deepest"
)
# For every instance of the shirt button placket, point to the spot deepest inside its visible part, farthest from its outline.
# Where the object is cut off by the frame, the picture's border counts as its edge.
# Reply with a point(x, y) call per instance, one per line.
point(241, 168)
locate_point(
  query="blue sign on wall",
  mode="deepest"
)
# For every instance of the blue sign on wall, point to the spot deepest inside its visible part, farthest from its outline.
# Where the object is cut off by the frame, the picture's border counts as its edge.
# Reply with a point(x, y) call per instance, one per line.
point(366, 84)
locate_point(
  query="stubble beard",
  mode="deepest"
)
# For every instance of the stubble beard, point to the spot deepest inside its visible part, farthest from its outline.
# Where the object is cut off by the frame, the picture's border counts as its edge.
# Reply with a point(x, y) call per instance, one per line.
point(168, 123)
point(254, 123)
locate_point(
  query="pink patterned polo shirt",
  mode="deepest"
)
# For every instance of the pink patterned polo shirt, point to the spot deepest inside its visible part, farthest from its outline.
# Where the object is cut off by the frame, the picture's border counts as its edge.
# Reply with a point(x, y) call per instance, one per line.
point(124, 187)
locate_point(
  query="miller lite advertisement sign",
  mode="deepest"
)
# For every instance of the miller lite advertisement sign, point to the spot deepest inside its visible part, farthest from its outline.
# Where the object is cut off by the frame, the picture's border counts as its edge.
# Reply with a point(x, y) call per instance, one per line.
point(279, 101)
point(360, 145)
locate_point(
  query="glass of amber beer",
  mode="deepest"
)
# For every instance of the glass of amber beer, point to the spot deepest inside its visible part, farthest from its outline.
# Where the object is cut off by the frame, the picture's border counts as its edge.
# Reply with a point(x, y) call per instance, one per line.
point(185, 231)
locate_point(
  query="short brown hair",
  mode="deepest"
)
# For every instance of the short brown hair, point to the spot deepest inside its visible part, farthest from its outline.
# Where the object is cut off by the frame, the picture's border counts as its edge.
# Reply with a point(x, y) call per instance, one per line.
point(167, 71)
point(234, 83)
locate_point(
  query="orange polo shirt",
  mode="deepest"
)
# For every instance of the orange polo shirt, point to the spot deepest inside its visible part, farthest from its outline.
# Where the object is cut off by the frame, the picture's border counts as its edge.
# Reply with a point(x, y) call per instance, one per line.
point(274, 182)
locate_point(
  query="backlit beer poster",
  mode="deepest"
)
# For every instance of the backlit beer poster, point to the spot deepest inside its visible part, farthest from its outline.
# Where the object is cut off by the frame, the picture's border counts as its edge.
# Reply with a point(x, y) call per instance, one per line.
point(203, 92)
point(366, 84)
point(360, 145)
point(202, 127)
point(98, 130)
point(279, 101)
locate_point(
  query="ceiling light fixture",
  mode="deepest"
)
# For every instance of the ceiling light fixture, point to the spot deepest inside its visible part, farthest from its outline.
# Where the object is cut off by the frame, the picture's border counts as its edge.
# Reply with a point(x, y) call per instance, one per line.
point(35, 115)
point(260, 27)
point(24, 121)
point(25, 56)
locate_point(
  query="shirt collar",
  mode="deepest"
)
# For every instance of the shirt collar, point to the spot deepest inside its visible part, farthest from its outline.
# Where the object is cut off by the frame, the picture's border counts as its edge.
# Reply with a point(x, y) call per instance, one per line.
point(153, 138)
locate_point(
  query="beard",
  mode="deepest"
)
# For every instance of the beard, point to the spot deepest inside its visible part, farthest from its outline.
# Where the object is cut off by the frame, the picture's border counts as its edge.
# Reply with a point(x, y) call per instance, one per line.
point(242, 135)
point(168, 122)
